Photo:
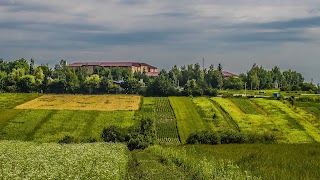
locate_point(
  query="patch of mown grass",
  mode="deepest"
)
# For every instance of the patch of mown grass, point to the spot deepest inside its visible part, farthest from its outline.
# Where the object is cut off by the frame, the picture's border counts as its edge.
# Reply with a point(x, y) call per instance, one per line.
point(23, 124)
point(6, 115)
point(188, 119)
point(52, 125)
point(268, 161)
point(82, 125)
point(11, 100)
point(246, 106)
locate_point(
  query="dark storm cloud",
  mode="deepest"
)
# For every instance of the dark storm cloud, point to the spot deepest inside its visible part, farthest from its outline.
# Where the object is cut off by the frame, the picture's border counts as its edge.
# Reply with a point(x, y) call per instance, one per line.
point(289, 24)
point(267, 37)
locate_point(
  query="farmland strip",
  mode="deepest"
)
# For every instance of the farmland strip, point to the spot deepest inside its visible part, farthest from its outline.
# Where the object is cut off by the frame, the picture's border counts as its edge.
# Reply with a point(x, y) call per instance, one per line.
point(226, 116)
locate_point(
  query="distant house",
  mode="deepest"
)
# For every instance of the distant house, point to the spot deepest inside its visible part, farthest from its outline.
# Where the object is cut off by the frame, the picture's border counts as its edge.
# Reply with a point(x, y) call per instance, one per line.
point(227, 74)
point(134, 66)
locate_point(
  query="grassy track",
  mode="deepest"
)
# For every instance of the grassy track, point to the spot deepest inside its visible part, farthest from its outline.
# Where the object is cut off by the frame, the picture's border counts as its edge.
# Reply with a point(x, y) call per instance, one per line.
point(268, 161)
point(188, 119)
point(214, 118)
point(53, 161)
point(11, 100)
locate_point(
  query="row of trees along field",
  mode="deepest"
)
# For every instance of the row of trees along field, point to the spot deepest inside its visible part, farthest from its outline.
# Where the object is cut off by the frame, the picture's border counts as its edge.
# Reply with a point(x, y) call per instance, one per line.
point(23, 76)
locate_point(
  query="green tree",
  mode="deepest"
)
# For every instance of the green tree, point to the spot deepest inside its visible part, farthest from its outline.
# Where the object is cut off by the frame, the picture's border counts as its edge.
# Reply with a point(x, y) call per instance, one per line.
point(130, 85)
point(92, 83)
point(192, 88)
point(27, 83)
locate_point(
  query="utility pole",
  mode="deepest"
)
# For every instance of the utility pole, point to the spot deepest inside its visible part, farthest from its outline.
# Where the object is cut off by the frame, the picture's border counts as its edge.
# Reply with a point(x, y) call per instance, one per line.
point(245, 89)
point(202, 63)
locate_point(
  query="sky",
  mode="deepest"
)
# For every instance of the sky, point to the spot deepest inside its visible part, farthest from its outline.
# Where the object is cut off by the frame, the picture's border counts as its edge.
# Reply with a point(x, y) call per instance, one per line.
point(235, 33)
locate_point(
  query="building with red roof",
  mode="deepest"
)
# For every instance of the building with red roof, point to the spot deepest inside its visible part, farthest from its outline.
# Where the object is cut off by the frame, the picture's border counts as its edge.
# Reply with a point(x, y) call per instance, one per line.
point(134, 66)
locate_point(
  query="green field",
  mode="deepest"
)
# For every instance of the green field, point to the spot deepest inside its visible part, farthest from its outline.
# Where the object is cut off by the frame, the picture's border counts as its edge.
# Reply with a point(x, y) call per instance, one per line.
point(11, 100)
point(159, 109)
point(294, 155)
point(188, 119)
point(53, 125)
point(29, 160)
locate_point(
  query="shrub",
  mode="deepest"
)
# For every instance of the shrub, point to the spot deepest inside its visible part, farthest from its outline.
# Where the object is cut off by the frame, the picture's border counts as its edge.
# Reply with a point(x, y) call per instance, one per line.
point(228, 137)
point(137, 137)
point(113, 134)
point(66, 140)
point(203, 137)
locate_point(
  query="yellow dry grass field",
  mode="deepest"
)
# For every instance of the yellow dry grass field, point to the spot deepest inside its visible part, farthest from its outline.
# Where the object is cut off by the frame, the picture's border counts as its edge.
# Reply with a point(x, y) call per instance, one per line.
point(84, 102)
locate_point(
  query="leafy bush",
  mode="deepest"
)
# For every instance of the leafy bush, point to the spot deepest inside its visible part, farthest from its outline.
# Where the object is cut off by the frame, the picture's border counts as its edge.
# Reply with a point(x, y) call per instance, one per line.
point(135, 137)
point(228, 137)
point(113, 134)
point(66, 140)
point(203, 137)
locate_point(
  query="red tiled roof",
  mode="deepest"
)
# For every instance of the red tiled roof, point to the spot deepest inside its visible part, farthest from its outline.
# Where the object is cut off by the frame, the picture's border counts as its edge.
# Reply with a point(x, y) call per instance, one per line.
point(110, 64)
point(228, 74)
point(153, 74)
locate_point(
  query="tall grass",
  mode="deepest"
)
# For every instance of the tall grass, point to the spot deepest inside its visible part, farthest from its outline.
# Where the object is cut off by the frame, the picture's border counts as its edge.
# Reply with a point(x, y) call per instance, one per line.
point(268, 161)
point(199, 167)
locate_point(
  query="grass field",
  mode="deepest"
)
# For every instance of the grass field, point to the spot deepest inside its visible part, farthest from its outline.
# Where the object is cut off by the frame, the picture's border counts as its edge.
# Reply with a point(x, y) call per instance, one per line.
point(53, 125)
point(245, 122)
point(84, 102)
point(311, 107)
point(268, 161)
point(246, 106)
point(188, 119)
point(11, 100)
point(293, 126)
point(28, 160)
point(212, 115)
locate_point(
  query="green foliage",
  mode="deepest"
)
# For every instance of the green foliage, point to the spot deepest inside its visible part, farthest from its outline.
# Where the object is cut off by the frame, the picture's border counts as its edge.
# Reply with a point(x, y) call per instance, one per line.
point(230, 136)
point(136, 138)
point(66, 140)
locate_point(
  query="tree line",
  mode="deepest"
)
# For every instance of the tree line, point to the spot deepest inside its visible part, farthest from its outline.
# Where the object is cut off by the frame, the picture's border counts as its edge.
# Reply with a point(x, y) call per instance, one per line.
point(24, 76)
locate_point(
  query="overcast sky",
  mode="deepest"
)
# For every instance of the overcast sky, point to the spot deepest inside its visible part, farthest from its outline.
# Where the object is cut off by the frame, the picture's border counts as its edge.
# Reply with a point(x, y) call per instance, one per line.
point(235, 33)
